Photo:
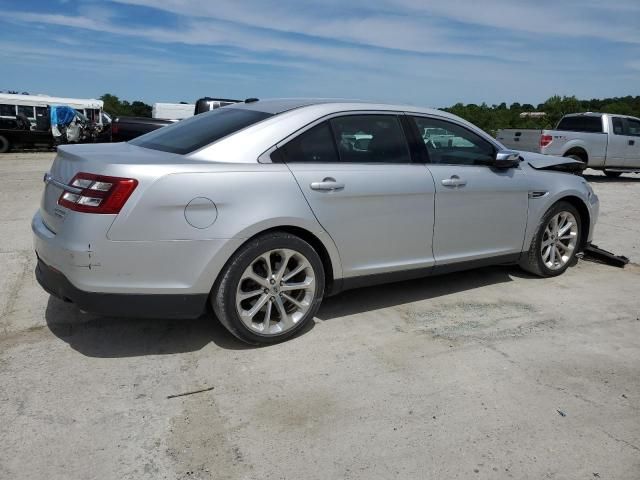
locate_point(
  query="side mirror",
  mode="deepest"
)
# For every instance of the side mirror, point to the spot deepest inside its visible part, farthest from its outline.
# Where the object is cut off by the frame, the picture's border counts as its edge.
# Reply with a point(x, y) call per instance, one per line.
point(506, 159)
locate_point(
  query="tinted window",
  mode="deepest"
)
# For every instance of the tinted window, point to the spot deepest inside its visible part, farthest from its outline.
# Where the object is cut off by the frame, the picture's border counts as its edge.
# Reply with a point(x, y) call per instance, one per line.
point(618, 126)
point(198, 131)
point(633, 127)
point(451, 144)
point(7, 110)
point(313, 146)
point(582, 123)
point(370, 139)
point(26, 110)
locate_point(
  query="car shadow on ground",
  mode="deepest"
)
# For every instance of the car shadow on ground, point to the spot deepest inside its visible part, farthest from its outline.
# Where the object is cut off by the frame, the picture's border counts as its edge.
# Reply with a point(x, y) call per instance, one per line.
point(624, 178)
point(108, 337)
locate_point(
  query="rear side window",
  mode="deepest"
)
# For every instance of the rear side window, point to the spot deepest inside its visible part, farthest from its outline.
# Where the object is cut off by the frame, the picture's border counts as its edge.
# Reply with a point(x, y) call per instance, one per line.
point(370, 139)
point(313, 146)
point(582, 123)
point(196, 132)
point(618, 126)
point(358, 139)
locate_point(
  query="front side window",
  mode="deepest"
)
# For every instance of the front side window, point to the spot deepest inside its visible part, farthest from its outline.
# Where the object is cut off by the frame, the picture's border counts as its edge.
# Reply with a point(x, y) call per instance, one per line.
point(26, 111)
point(618, 126)
point(196, 132)
point(451, 144)
point(370, 139)
point(7, 110)
point(633, 127)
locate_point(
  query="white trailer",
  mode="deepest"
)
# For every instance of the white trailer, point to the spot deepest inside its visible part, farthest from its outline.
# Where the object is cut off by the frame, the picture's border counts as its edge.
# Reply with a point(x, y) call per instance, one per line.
point(172, 111)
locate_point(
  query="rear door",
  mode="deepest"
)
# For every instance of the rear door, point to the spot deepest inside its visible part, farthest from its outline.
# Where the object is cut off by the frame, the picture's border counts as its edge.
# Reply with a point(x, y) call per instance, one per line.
point(632, 155)
point(618, 143)
point(357, 174)
point(480, 211)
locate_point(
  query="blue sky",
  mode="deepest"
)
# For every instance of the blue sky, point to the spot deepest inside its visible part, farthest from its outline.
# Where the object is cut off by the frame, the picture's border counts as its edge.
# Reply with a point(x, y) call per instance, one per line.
point(422, 52)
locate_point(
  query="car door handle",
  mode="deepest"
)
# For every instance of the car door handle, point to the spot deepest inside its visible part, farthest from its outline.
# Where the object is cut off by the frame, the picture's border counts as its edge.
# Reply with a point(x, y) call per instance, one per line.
point(454, 181)
point(632, 142)
point(327, 185)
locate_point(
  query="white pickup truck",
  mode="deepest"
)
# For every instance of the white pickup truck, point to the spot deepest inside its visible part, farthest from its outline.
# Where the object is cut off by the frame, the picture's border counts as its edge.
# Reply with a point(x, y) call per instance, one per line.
point(602, 141)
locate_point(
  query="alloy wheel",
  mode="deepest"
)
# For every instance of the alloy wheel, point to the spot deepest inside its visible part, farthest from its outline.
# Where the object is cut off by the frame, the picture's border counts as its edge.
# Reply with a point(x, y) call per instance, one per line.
point(559, 240)
point(275, 291)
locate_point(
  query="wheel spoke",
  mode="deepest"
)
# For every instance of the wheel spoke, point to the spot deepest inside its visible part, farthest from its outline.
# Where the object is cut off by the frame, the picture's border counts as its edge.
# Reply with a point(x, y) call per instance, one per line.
point(545, 253)
point(294, 301)
point(284, 316)
point(301, 266)
point(562, 246)
point(266, 258)
point(266, 324)
point(286, 254)
point(558, 255)
point(257, 306)
point(288, 287)
point(553, 255)
point(565, 229)
point(257, 278)
point(246, 295)
point(546, 242)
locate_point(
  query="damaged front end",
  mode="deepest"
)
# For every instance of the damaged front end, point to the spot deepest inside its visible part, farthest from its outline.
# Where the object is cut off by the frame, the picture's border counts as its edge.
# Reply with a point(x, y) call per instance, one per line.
point(549, 162)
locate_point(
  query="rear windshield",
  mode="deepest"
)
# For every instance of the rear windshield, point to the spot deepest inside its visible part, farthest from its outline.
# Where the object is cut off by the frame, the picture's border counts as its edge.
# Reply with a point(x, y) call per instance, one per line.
point(196, 132)
point(585, 123)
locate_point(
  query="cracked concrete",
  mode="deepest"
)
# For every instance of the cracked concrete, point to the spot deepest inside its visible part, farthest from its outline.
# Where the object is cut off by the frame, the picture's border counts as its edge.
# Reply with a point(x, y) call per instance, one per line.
point(461, 376)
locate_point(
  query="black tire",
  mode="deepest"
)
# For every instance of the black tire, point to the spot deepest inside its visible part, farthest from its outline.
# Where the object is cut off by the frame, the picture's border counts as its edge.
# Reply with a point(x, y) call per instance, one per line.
point(5, 146)
point(611, 174)
point(223, 294)
point(532, 261)
point(579, 159)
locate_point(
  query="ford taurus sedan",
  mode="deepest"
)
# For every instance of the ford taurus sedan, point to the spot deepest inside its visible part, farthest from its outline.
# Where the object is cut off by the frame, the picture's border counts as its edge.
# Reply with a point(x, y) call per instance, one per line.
point(258, 210)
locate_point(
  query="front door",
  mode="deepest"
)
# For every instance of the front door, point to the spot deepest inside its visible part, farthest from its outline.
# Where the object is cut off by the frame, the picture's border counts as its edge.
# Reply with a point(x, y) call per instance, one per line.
point(480, 211)
point(356, 173)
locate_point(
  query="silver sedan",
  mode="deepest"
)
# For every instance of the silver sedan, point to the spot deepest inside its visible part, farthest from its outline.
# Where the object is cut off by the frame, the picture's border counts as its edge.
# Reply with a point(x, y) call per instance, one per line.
point(259, 210)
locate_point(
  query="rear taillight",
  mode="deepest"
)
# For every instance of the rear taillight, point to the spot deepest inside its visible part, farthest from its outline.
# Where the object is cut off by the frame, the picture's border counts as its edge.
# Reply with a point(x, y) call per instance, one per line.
point(114, 128)
point(545, 140)
point(97, 193)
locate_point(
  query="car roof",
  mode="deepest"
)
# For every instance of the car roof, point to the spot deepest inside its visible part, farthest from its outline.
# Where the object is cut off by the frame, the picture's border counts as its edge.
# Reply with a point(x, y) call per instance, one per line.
point(281, 105)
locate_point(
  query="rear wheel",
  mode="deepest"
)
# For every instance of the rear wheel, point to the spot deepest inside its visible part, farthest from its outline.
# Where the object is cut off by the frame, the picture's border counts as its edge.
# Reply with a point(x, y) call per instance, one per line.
point(579, 159)
point(611, 174)
point(4, 144)
point(270, 289)
point(556, 241)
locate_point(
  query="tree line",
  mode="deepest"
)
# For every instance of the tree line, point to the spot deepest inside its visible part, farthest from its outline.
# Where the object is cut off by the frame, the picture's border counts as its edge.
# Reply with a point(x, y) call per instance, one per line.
point(489, 118)
point(494, 117)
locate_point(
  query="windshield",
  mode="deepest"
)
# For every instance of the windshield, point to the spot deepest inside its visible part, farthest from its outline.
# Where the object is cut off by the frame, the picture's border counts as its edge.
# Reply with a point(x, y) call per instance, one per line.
point(196, 132)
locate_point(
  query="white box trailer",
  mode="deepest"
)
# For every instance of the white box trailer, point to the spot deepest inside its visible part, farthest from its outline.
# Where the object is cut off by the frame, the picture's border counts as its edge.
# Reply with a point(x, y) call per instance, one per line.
point(172, 111)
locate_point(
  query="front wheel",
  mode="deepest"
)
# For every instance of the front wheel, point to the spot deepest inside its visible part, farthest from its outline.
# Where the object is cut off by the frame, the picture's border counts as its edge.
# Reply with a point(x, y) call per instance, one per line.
point(269, 289)
point(556, 241)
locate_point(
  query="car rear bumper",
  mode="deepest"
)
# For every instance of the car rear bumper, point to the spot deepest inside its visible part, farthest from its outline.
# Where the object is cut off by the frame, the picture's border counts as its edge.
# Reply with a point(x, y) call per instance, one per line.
point(120, 304)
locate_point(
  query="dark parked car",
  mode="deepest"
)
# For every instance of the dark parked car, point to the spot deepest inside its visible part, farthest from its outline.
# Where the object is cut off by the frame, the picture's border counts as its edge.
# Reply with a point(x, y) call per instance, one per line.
point(124, 129)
